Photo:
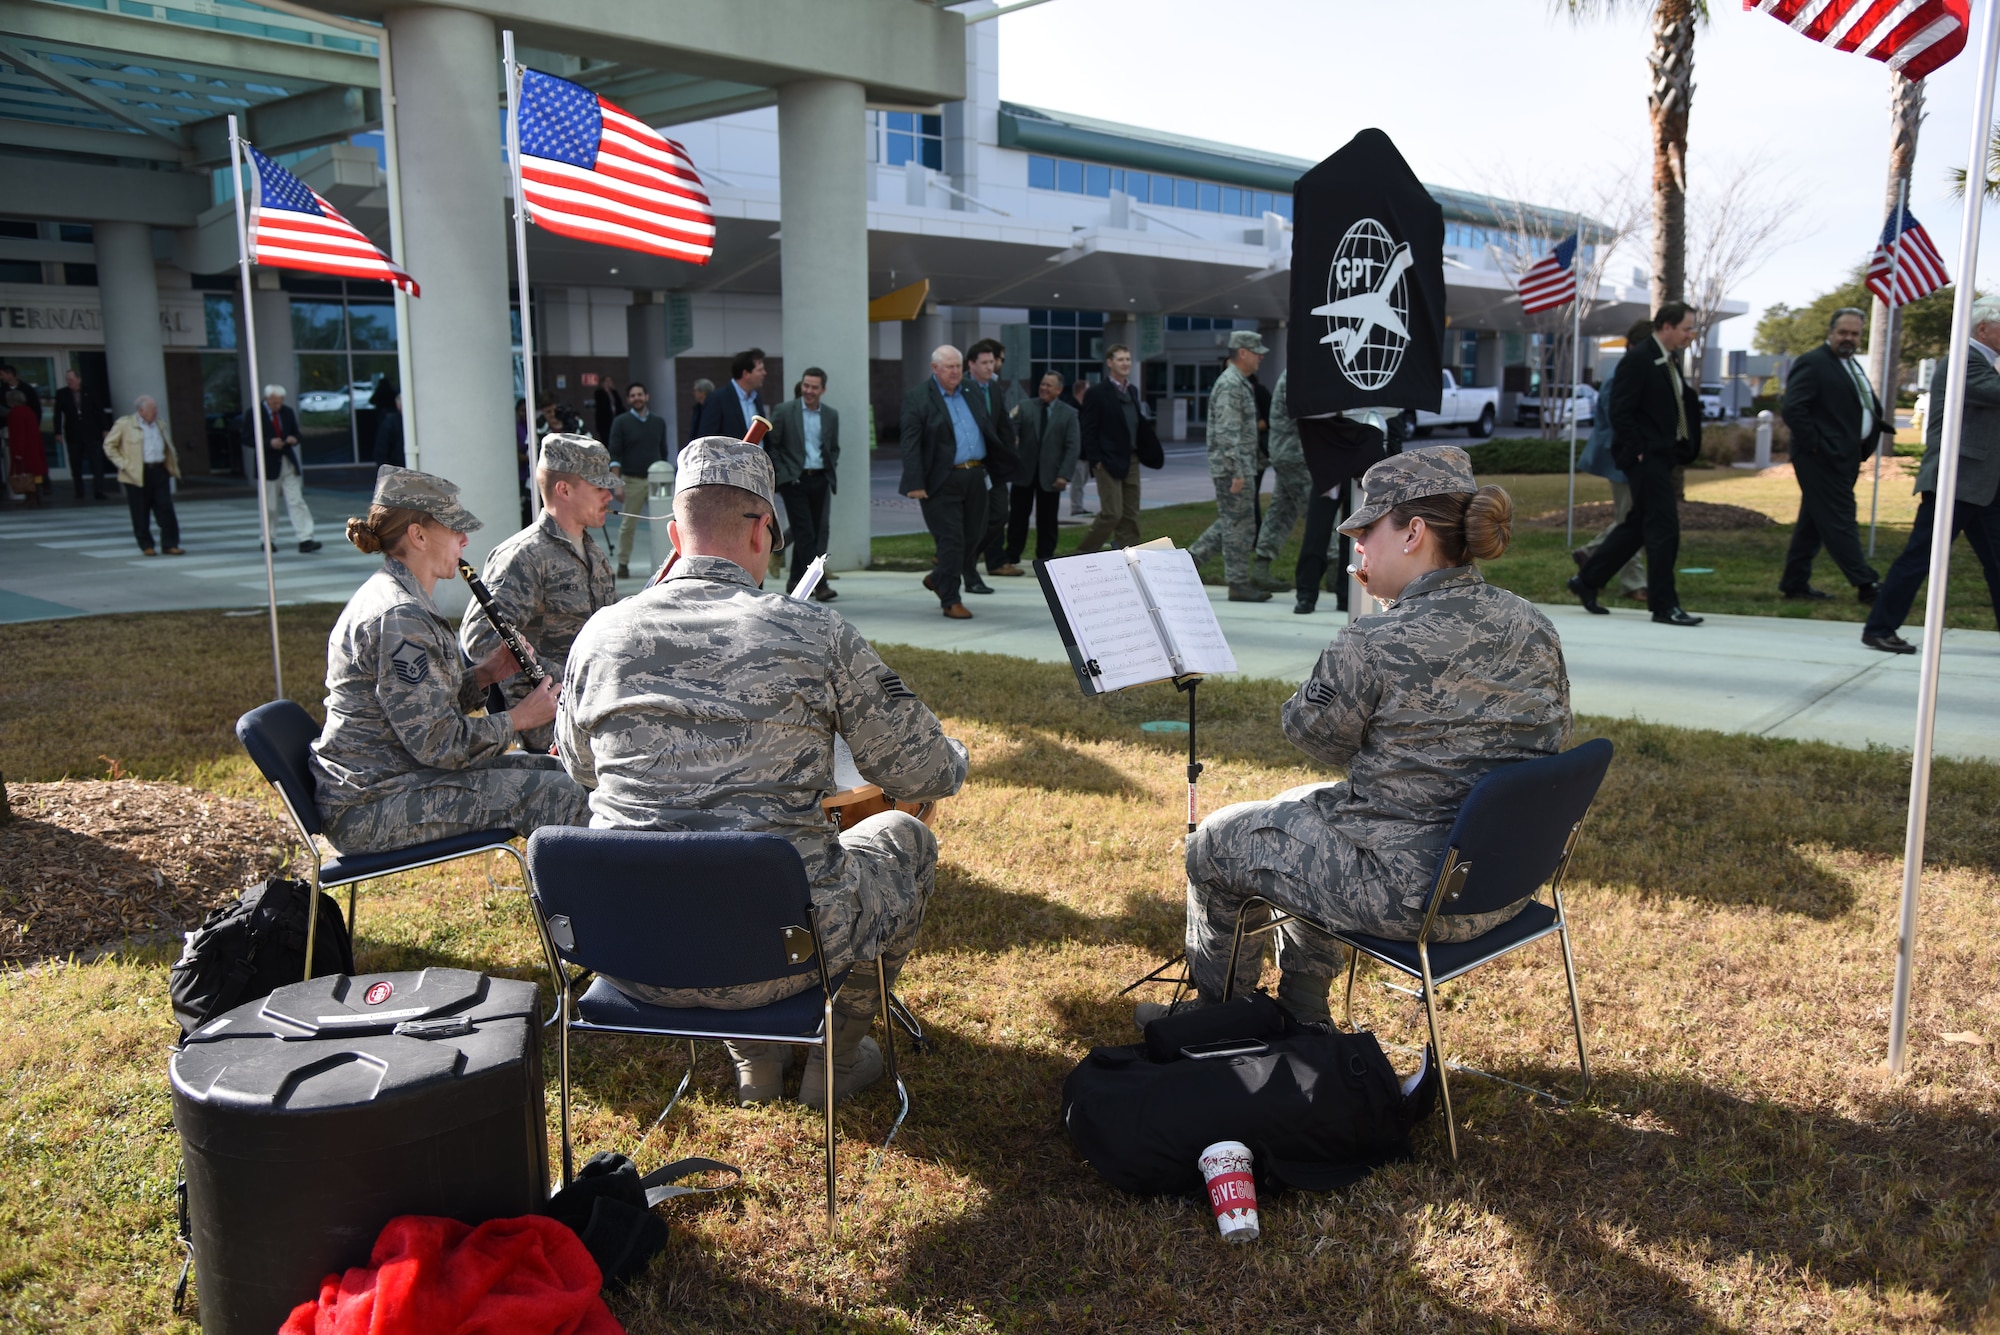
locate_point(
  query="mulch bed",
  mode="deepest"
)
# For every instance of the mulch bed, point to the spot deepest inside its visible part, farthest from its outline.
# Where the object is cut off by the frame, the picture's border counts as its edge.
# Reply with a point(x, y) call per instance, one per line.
point(86, 863)
point(1695, 515)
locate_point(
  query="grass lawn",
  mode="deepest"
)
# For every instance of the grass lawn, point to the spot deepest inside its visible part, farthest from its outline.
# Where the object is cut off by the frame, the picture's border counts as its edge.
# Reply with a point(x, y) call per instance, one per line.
point(1742, 1164)
point(1745, 563)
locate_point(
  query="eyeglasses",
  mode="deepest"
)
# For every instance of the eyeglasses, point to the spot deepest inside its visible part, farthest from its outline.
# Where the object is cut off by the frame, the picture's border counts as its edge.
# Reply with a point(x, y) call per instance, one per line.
point(771, 524)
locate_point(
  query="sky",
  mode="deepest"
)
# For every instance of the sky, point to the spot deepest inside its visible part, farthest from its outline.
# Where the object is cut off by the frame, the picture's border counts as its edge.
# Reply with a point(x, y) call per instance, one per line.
point(1477, 93)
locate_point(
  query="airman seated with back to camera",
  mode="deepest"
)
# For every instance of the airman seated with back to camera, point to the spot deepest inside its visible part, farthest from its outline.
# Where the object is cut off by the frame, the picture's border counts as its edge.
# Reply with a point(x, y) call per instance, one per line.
point(1453, 679)
point(400, 761)
point(709, 703)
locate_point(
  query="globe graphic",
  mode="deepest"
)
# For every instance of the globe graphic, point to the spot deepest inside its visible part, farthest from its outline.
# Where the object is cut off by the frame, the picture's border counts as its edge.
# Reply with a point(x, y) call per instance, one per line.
point(1371, 363)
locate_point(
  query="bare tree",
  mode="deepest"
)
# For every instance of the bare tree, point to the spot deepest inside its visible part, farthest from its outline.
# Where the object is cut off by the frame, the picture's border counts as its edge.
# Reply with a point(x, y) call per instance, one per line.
point(1609, 214)
point(1738, 217)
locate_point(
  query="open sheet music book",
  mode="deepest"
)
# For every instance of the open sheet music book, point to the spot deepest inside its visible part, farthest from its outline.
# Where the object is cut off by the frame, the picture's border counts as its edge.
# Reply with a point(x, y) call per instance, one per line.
point(1134, 616)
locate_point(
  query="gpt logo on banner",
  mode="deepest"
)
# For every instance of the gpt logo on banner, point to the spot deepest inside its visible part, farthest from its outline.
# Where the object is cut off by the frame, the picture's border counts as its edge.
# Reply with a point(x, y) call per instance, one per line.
point(1367, 306)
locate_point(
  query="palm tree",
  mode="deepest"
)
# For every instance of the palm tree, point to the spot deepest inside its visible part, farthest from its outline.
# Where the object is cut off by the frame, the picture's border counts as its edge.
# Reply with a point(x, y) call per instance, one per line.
point(1990, 188)
point(1906, 118)
point(1672, 93)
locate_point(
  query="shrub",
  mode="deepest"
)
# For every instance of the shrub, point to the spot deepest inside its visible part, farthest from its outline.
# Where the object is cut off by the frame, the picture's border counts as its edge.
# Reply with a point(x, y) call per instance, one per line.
point(1522, 454)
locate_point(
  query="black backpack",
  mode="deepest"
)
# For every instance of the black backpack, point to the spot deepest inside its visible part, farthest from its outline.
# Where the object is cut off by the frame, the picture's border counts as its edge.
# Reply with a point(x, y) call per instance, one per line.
point(1318, 1110)
point(249, 949)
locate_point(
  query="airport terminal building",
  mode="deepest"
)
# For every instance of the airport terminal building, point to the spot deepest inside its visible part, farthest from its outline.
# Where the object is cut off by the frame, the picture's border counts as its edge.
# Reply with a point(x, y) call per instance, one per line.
point(874, 197)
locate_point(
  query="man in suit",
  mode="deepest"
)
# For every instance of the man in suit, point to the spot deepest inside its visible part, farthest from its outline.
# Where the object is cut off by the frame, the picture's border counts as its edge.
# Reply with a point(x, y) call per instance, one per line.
point(948, 443)
point(80, 426)
point(702, 389)
point(638, 441)
point(1976, 508)
point(1836, 421)
point(1081, 477)
point(1655, 426)
point(604, 407)
point(729, 410)
point(1050, 443)
point(274, 427)
point(982, 363)
point(1115, 431)
point(804, 445)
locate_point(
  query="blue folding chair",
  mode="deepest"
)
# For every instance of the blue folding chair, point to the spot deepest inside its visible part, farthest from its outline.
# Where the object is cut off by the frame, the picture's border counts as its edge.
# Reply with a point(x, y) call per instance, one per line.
point(1517, 830)
point(673, 910)
point(279, 738)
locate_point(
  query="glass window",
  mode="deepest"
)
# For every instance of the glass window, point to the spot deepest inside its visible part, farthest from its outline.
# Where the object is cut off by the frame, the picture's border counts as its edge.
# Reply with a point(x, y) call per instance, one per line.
point(219, 316)
point(80, 275)
point(317, 324)
point(1038, 343)
point(1138, 185)
point(371, 327)
point(1097, 181)
point(1232, 199)
point(75, 232)
point(1177, 324)
point(900, 149)
point(1282, 206)
point(1211, 198)
point(1117, 178)
point(931, 126)
point(1261, 205)
point(1163, 190)
point(20, 271)
point(1185, 194)
point(1069, 177)
point(933, 152)
point(1041, 173)
point(900, 120)
point(1183, 378)
point(1062, 343)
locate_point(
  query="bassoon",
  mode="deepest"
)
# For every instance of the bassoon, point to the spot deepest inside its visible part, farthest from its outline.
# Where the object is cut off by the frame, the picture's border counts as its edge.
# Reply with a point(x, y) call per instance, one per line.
point(510, 634)
point(754, 436)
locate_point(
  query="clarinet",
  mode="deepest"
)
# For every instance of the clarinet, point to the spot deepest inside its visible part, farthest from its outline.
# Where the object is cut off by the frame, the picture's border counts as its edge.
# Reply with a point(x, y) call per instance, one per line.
point(510, 635)
point(754, 436)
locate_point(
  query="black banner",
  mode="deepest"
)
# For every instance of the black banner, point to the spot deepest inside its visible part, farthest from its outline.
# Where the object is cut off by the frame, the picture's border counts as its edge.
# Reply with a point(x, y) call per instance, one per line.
point(1367, 318)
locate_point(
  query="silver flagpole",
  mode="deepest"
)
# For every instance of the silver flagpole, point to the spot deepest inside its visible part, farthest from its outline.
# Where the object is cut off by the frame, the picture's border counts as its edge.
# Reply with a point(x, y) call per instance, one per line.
point(1946, 498)
point(257, 446)
point(1575, 380)
point(392, 158)
point(1883, 390)
point(513, 76)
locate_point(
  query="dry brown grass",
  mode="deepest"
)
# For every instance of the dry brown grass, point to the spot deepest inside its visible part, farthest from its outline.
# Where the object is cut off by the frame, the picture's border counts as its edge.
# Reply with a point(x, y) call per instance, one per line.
point(1742, 1164)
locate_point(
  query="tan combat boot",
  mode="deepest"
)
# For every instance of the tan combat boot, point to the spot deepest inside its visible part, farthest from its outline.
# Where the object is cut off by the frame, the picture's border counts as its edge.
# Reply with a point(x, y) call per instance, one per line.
point(760, 1071)
point(857, 1063)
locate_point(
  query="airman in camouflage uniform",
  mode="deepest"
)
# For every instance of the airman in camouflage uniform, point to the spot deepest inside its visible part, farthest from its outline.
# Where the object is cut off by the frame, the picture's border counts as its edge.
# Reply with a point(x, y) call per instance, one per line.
point(707, 703)
point(547, 579)
point(1289, 492)
point(1417, 702)
point(1232, 466)
point(399, 761)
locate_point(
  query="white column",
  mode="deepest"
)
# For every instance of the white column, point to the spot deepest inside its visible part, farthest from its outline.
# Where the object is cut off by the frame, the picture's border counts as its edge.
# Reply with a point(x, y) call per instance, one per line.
point(647, 363)
point(455, 233)
point(129, 290)
point(823, 218)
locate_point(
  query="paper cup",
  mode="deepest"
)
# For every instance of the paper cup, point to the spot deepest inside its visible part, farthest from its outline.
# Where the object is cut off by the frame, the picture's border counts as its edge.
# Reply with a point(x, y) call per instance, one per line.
point(1232, 1190)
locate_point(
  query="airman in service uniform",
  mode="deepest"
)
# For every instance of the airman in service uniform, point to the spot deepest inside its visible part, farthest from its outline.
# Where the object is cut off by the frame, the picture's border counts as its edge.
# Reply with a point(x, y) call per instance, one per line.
point(1417, 702)
point(1290, 491)
point(548, 578)
point(400, 762)
point(1232, 466)
point(707, 703)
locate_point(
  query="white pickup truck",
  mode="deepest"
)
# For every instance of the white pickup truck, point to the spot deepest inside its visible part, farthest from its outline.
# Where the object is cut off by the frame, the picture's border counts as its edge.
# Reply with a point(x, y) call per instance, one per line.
point(1473, 409)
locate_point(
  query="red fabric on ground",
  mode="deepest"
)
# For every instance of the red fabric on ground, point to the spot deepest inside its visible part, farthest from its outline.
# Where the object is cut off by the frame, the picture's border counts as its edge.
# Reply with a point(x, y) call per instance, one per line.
point(526, 1276)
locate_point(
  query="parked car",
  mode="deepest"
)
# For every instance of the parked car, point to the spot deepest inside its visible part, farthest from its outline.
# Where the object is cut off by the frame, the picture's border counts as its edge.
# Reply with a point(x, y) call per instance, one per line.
point(1473, 409)
point(355, 395)
point(1711, 401)
point(1528, 408)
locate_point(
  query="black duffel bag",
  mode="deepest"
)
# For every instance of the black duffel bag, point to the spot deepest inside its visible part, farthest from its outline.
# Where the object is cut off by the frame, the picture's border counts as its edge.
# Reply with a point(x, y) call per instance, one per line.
point(1318, 1110)
point(251, 948)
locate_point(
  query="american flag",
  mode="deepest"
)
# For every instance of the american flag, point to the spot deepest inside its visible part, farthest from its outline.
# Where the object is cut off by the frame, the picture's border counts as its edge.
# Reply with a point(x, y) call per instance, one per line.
point(1921, 270)
point(1552, 282)
point(291, 227)
point(1915, 37)
point(590, 170)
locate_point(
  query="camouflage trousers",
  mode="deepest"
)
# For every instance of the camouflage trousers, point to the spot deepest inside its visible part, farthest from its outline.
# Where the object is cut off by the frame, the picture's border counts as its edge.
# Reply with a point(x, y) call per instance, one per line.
point(1285, 851)
point(895, 855)
point(516, 791)
point(1234, 532)
point(1289, 494)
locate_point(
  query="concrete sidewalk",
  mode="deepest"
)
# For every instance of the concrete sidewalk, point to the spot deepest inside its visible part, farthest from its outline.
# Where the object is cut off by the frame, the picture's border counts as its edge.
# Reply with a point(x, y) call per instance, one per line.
point(1769, 676)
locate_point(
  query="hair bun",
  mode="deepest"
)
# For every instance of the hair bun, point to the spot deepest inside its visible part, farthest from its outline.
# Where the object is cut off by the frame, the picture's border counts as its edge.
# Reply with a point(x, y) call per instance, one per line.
point(363, 536)
point(1489, 523)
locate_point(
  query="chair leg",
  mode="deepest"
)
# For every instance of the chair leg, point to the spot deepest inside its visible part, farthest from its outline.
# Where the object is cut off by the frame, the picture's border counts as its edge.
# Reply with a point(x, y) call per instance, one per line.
point(686, 1077)
point(1353, 963)
point(919, 1043)
point(1437, 1049)
point(1235, 947)
point(826, 1069)
point(889, 1053)
point(1575, 1008)
point(562, 1062)
point(312, 915)
point(352, 886)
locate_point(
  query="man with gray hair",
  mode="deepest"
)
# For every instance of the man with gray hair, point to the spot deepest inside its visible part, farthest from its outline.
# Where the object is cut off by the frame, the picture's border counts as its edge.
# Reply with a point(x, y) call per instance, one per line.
point(1976, 508)
point(1836, 421)
point(708, 703)
point(139, 447)
point(275, 429)
point(948, 445)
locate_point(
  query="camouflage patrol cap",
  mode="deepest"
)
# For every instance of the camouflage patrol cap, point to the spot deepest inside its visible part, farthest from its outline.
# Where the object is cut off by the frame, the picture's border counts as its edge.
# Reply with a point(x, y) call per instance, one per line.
point(1247, 338)
point(566, 452)
point(724, 461)
point(407, 489)
point(1438, 470)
